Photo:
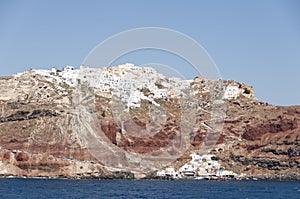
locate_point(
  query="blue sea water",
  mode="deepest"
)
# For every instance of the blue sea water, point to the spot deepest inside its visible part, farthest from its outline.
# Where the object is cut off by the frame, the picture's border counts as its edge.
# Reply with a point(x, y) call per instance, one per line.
point(60, 188)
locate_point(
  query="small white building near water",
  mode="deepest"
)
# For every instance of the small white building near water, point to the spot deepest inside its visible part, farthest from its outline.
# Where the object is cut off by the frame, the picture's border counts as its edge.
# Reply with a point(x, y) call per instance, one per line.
point(200, 163)
point(169, 172)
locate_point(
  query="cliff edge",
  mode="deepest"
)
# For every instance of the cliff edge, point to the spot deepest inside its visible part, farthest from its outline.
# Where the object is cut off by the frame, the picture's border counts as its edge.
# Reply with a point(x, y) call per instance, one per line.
point(39, 134)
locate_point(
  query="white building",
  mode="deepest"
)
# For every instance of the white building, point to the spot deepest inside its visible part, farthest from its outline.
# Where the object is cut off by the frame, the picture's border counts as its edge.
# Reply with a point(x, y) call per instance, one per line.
point(170, 172)
point(231, 92)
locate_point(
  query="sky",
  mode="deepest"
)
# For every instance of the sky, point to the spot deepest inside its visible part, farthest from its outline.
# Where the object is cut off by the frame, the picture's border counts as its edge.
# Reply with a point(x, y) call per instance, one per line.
point(256, 42)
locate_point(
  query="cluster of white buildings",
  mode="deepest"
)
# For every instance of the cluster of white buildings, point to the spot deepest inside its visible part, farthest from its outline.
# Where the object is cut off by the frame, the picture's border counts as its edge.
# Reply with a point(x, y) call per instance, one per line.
point(200, 167)
point(124, 81)
point(127, 82)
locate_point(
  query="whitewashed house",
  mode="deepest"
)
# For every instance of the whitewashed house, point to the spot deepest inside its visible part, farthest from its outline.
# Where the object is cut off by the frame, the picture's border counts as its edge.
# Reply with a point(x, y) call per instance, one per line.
point(231, 92)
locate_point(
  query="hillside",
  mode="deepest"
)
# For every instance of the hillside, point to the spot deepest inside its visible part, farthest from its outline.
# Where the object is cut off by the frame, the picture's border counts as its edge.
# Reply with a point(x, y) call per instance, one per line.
point(49, 122)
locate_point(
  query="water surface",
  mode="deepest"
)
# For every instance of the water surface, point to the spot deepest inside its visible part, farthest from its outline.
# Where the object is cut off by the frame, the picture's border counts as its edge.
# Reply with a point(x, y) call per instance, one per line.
point(65, 188)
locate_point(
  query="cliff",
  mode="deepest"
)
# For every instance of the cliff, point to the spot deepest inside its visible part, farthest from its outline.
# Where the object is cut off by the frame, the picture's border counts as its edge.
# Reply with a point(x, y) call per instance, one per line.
point(40, 137)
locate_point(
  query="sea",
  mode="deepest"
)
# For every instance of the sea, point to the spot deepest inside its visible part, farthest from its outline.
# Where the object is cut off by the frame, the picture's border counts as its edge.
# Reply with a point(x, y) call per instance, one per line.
point(66, 188)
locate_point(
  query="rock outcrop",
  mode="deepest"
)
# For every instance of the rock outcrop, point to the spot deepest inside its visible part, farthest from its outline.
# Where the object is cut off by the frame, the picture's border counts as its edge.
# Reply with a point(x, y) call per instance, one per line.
point(39, 135)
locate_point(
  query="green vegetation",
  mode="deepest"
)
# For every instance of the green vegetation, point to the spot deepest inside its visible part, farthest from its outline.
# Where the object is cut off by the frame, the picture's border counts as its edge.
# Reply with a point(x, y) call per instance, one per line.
point(146, 91)
point(159, 85)
point(216, 158)
point(247, 91)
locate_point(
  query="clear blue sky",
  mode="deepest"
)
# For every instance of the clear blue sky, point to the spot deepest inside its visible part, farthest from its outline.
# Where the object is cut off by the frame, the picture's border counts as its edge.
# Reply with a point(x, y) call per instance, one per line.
point(257, 41)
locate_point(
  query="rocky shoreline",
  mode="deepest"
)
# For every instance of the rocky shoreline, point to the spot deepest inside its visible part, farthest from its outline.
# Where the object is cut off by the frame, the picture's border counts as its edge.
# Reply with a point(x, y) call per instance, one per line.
point(16, 158)
point(293, 177)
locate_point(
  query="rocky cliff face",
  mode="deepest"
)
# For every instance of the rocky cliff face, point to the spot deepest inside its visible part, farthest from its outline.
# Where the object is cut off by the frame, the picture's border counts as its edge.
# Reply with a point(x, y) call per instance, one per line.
point(268, 144)
point(39, 135)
